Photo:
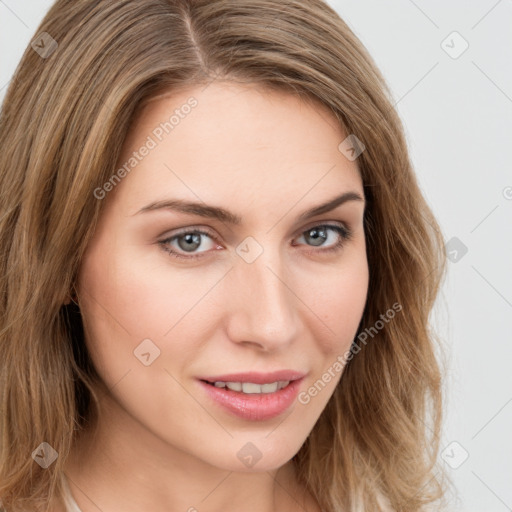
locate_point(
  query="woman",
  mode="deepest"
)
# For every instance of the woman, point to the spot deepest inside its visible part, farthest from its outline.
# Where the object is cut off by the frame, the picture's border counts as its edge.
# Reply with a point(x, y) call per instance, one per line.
point(217, 267)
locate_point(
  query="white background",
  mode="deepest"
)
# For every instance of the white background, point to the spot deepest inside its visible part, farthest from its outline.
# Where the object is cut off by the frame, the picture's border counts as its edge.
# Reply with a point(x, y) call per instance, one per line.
point(458, 118)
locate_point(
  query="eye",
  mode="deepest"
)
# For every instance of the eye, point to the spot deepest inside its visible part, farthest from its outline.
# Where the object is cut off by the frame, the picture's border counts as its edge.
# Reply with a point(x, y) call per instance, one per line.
point(318, 235)
point(184, 244)
point(187, 242)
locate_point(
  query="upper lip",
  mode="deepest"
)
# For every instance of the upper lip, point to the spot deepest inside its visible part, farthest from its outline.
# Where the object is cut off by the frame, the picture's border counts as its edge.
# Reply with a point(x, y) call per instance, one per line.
point(256, 377)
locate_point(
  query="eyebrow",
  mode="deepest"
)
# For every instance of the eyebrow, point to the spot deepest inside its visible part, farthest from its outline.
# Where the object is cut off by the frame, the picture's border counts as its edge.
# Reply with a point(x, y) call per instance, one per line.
point(223, 215)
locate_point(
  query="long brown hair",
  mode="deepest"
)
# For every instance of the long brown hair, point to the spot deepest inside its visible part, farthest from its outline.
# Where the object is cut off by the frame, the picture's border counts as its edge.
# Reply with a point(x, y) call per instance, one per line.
point(64, 119)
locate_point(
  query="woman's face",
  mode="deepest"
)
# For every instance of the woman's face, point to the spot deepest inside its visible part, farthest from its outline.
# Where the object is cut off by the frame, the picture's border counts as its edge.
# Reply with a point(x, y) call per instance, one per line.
point(173, 295)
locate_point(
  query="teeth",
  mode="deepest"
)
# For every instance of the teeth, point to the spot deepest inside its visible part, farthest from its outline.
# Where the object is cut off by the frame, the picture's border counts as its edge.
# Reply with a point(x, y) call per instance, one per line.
point(267, 388)
point(251, 388)
point(234, 386)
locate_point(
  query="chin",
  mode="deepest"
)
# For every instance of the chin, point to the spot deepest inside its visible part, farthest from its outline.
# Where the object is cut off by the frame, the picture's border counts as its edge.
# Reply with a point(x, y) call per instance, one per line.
point(254, 455)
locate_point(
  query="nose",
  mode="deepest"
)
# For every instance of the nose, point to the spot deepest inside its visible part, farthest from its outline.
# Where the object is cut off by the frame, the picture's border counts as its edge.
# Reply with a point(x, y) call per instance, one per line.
point(262, 304)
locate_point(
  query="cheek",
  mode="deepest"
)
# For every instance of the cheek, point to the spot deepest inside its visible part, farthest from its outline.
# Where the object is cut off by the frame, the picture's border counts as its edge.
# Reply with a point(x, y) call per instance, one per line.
point(137, 293)
point(128, 297)
point(337, 301)
point(338, 306)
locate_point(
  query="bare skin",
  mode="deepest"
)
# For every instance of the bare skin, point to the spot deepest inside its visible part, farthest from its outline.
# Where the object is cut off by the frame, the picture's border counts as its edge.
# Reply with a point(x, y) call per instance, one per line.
point(162, 444)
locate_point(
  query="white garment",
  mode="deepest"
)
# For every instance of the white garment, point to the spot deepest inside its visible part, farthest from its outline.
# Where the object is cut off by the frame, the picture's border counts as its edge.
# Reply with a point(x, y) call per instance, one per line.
point(69, 501)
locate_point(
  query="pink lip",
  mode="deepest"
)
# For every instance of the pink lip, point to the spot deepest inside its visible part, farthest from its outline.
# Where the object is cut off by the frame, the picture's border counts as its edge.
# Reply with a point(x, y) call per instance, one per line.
point(255, 406)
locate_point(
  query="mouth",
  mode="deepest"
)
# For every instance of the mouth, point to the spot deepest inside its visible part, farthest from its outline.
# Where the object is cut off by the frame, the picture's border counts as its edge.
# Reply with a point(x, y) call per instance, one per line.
point(250, 388)
point(253, 396)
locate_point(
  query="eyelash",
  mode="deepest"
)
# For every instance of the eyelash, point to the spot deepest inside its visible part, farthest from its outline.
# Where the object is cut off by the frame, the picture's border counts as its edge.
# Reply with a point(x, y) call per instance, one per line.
point(345, 236)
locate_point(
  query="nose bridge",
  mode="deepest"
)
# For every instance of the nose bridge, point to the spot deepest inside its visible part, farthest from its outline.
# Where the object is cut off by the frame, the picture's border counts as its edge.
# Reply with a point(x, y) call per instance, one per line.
point(263, 308)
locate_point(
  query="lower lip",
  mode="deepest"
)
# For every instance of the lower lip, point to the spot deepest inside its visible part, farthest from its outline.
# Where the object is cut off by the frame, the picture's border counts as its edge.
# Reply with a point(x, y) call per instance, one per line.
point(254, 406)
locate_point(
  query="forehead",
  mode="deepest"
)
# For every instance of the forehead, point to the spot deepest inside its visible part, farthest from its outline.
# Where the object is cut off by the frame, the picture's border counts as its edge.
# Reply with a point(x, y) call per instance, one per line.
point(226, 141)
